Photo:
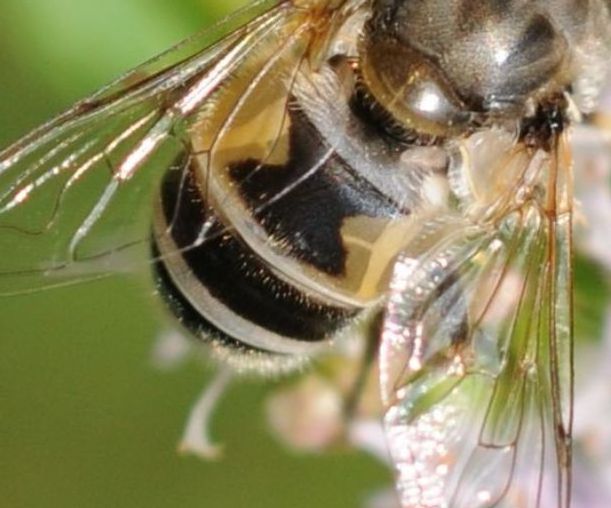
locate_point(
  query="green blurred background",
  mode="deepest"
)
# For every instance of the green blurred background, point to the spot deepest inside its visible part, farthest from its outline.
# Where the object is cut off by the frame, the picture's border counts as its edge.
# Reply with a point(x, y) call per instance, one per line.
point(85, 420)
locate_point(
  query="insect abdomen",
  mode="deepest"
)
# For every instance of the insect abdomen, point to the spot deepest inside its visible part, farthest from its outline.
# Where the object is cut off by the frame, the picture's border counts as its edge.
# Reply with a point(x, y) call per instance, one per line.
point(224, 287)
point(231, 287)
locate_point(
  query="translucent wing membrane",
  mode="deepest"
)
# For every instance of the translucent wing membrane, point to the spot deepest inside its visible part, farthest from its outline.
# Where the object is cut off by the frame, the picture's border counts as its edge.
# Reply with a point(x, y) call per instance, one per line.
point(77, 194)
point(476, 359)
point(476, 347)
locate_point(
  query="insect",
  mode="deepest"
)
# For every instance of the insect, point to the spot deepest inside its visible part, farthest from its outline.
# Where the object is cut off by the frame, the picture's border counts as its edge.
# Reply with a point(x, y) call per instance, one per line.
point(312, 164)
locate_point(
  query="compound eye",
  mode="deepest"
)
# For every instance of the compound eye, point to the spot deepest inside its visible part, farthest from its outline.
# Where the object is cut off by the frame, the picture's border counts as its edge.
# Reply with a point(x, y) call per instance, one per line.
point(410, 88)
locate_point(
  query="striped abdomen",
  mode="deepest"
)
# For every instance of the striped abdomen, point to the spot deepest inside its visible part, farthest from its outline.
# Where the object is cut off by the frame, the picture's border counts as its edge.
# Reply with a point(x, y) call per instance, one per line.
point(275, 254)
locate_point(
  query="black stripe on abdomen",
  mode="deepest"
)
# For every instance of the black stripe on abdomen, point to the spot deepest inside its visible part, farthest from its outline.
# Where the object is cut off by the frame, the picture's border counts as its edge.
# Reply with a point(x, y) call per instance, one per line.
point(229, 274)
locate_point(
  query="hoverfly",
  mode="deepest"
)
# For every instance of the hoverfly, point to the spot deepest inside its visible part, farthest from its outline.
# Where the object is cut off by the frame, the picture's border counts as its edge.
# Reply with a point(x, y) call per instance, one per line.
point(311, 165)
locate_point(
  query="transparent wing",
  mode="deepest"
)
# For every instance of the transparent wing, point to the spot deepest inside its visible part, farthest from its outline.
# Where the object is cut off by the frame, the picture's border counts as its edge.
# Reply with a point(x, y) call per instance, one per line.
point(76, 196)
point(476, 349)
